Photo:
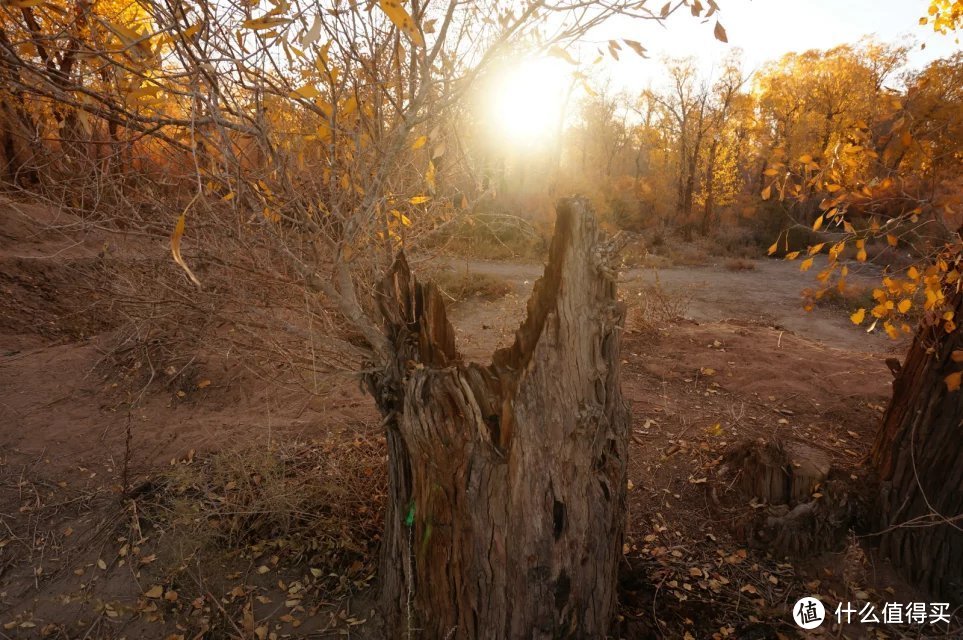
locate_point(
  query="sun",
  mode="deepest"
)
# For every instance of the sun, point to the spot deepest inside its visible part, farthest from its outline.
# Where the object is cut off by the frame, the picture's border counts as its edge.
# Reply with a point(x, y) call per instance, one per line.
point(527, 101)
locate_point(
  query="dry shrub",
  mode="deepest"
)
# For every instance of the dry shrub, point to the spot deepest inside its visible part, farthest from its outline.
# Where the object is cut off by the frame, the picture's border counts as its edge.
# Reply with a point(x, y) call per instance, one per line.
point(491, 236)
point(733, 241)
point(302, 504)
point(252, 309)
point(463, 284)
point(653, 306)
point(686, 254)
point(740, 264)
point(851, 298)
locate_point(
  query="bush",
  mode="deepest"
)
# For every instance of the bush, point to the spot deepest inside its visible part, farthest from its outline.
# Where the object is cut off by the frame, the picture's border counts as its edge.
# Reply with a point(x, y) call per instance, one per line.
point(734, 241)
point(740, 264)
point(851, 298)
point(463, 284)
point(654, 305)
point(491, 236)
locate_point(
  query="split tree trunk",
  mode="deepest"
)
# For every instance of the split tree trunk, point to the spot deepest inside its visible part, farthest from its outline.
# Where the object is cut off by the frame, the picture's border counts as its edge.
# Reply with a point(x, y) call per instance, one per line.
point(918, 456)
point(506, 482)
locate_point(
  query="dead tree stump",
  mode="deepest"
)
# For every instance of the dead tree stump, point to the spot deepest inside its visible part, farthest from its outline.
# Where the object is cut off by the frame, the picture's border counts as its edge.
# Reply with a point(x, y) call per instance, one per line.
point(506, 481)
point(783, 497)
point(781, 473)
point(917, 457)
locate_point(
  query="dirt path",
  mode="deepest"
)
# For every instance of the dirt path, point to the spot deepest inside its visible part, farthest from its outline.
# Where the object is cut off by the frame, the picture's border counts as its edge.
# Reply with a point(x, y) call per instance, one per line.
point(768, 295)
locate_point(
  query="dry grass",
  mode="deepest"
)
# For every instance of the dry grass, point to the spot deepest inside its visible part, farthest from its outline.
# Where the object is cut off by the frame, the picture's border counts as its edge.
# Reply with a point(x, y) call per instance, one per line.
point(740, 264)
point(491, 236)
point(653, 306)
point(851, 298)
point(305, 510)
point(462, 284)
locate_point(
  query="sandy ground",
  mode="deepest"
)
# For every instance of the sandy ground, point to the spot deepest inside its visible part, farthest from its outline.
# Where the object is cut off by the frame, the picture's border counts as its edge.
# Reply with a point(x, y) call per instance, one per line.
point(746, 363)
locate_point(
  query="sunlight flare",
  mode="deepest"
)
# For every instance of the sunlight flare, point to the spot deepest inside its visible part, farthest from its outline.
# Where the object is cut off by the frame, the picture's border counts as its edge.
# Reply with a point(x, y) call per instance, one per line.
point(527, 102)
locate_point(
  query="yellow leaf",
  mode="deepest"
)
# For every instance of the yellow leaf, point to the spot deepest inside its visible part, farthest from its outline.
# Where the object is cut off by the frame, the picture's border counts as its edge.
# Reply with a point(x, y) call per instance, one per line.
point(818, 223)
point(892, 240)
point(348, 107)
point(430, 175)
point(720, 33)
point(858, 317)
point(805, 265)
point(308, 91)
point(636, 46)
point(401, 19)
point(773, 248)
point(154, 592)
point(904, 305)
point(419, 142)
point(792, 255)
point(176, 243)
point(559, 52)
point(419, 199)
point(953, 381)
point(264, 22)
point(890, 330)
point(771, 172)
point(766, 192)
point(861, 255)
point(405, 220)
point(129, 36)
point(805, 158)
point(324, 132)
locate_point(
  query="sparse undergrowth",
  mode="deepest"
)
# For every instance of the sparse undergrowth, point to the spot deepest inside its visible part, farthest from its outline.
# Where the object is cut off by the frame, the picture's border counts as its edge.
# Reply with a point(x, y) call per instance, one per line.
point(491, 236)
point(653, 306)
point(849, 299)
point(740, 264)
point(462, 284)
point(252, 542)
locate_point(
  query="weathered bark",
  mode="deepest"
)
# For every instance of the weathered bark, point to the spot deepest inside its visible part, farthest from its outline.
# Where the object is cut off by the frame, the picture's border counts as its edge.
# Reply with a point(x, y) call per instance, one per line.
point(507, 481)
point(918, 456)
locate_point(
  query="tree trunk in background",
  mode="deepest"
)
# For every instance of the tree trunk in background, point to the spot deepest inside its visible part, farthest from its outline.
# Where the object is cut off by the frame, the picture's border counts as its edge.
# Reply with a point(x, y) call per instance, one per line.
point(709, 189)
point(507, 482)
point(918, 455)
